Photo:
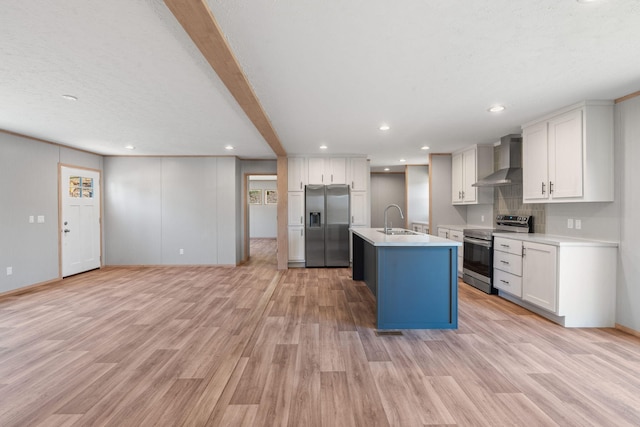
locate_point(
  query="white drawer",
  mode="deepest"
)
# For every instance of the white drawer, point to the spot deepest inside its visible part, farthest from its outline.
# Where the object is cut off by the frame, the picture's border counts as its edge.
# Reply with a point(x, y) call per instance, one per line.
point(510, 263)
point(507, 245)
point(456, 235)
point(507, 282)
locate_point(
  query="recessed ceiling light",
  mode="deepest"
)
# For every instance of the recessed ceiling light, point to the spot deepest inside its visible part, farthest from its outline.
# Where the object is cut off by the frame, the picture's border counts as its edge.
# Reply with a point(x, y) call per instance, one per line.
point(425, 147)
point(384, 127)
point(323, 147)
point(387, 169)
point(228, 147)
point(70, 97)
point(130, 147)
point(402, 160)
point(496, 109)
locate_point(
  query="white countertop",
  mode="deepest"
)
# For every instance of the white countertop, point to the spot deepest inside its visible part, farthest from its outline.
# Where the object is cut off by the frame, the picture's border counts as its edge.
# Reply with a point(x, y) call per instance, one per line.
point(376, 238)
point(453, 227)
point(550, 239)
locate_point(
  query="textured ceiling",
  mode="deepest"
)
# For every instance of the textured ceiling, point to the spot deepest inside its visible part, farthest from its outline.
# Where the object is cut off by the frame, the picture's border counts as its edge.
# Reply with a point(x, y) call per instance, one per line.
point(326, 72)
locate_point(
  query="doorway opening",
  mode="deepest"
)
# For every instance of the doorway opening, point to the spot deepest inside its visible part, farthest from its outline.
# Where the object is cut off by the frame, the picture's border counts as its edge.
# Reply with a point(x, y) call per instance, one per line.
point(261, 219)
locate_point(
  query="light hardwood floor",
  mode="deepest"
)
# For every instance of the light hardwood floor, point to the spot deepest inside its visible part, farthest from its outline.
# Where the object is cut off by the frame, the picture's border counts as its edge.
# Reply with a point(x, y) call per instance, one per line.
point(250, 346)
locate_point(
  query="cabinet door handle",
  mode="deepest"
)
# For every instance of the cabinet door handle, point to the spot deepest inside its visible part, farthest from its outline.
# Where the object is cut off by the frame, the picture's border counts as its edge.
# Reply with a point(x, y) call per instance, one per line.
point(352, 185)
point(321, 177)
point(301, 219)
point(504, 281)
point(301, 231)
point(301, 185)
point(331, 177)
point(459, 195)
point(352, 218)
point(524, 251)
point(550, 187)
point(463, 195)
point(504, 262)
point(543, 184)
point(505, 246)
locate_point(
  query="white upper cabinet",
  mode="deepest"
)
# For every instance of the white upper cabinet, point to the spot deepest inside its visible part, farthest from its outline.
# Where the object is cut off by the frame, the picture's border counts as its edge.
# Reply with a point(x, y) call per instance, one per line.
point(568, 156)
point(358, 175)
point(327, 170)
point(535, 174)
point(297, 173)
point(467, 167)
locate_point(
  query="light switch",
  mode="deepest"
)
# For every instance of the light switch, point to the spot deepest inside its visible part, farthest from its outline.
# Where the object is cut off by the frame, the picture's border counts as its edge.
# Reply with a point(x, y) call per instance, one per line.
point(40, 219)
point(578, 224)
point(31, 219)
point(9, 271)
point(181, 251)
point(570, 223)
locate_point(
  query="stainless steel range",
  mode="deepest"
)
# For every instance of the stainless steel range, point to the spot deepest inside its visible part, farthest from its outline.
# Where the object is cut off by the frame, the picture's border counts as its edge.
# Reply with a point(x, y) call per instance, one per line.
point(478, 249)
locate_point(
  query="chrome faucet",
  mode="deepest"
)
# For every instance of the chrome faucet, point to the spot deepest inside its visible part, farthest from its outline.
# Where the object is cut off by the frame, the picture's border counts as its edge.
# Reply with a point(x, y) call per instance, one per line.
point(393, 205)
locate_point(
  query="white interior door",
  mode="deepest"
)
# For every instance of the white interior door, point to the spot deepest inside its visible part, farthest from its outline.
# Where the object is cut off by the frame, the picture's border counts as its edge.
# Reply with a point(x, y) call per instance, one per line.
point(80, 220)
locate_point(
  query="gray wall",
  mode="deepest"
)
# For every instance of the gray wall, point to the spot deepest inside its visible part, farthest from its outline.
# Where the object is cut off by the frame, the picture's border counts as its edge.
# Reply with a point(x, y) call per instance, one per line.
point(417, 178)
point(29, 186)
point(386, 189)
point(628, 159)
point(442, 211)
point(263, 219)
point(156, 206)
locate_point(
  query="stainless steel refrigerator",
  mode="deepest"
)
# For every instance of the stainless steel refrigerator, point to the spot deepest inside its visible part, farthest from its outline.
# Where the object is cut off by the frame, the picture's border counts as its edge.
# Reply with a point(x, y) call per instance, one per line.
point(327, 225)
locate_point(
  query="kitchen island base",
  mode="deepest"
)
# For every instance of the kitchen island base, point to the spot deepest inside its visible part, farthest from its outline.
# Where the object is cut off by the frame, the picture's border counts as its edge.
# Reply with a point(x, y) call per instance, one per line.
point(415, 286)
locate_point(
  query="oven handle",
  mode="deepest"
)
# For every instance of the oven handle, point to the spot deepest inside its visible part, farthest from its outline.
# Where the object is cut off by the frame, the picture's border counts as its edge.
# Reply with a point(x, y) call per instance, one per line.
point(485, 243)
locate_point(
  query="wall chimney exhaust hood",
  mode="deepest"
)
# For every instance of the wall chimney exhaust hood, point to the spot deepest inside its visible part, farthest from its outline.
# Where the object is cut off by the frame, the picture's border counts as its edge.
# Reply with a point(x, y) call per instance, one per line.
point(509, 163)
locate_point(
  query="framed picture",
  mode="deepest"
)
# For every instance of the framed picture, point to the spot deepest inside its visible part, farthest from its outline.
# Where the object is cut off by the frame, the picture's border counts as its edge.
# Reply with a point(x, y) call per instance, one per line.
point(255, 197)
point(270, 197)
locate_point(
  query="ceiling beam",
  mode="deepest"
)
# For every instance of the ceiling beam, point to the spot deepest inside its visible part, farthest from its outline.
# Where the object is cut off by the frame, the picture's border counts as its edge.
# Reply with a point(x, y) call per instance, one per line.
point(198, 21)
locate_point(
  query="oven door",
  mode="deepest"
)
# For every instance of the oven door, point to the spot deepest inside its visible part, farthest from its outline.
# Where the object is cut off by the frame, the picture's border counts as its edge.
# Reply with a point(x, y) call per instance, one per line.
point(478, 257)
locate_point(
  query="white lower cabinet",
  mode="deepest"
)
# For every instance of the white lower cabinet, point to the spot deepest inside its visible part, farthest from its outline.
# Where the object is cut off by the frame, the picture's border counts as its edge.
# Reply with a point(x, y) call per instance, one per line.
point(569, 281)
point(507, 266)
point(454, 234)
point(296, 244)
point(539, 280)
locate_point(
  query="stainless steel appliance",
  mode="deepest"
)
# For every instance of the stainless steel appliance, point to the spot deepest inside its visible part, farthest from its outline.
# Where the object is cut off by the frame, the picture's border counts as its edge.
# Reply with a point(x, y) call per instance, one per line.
point(509, 163)
point(327, 225)
point(477, 261)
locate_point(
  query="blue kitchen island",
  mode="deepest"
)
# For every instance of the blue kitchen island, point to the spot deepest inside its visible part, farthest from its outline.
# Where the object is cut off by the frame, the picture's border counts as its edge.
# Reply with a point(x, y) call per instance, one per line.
point(412, 276)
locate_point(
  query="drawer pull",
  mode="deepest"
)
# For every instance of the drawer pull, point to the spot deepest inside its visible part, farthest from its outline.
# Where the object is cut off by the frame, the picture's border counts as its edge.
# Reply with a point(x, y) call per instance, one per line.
point(504, 281)
point(505, 246)
point(504, 262)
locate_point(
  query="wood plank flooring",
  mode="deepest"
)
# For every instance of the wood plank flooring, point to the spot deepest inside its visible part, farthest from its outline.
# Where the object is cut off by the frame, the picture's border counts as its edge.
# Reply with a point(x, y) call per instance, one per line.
point(251, 346)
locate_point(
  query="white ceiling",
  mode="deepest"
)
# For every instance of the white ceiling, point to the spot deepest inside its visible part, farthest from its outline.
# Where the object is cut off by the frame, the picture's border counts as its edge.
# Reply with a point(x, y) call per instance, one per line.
point(325, 72)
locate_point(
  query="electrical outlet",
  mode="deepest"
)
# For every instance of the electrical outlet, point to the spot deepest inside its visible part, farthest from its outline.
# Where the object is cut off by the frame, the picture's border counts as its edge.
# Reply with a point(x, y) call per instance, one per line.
point(570, 223)
point(40, 219)
point(31, 219)
point(9, 271)
point(481, 218)
point(578, 224)
point(181, 251)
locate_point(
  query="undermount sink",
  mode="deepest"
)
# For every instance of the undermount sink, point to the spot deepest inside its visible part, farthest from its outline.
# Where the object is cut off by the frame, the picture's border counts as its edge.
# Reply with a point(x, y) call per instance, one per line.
point(399, 232)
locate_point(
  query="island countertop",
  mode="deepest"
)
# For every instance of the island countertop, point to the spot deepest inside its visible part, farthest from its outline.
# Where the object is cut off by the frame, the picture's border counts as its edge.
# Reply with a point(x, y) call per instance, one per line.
point(375, 237)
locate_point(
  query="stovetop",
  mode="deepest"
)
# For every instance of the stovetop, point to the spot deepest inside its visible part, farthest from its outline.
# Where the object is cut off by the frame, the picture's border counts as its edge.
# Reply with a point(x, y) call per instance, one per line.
point(504, 224)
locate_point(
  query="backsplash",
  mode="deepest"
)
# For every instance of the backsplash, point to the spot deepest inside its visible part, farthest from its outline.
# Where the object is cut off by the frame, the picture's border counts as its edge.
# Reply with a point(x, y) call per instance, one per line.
point(507, 200)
